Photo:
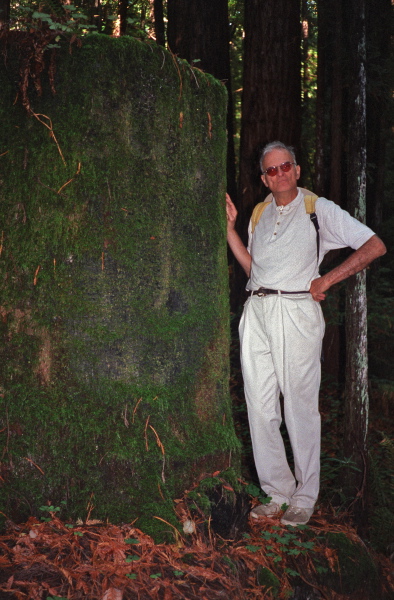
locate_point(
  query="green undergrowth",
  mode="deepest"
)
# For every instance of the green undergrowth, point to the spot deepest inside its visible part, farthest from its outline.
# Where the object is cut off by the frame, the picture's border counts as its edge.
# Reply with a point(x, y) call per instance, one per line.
point(324, 555)
point(200, 498)
point(326, 561)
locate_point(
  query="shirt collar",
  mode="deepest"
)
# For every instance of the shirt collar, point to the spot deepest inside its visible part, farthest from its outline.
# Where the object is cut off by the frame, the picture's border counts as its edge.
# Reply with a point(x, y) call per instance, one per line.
point(291, 206)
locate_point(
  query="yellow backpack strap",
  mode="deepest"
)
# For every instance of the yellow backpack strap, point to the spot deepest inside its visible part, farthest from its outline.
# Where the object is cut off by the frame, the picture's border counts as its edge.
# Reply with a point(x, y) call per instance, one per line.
point(257, 212)
point(310, 201)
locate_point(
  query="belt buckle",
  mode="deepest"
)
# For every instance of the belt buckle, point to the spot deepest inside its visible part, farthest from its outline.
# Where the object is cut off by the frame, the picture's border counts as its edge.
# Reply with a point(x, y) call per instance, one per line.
point(260, 294)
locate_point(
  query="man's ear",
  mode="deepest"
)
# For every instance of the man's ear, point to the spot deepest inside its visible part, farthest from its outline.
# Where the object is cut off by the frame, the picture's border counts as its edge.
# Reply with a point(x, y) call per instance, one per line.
point(264, 180)
point(298, 171)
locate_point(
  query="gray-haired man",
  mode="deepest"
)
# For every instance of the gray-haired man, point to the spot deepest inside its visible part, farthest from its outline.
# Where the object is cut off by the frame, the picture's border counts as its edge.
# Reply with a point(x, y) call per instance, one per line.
point(282, 327)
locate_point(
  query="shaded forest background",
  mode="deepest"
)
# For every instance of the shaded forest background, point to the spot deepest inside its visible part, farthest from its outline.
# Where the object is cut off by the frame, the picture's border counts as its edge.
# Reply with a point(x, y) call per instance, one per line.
point(292, 72)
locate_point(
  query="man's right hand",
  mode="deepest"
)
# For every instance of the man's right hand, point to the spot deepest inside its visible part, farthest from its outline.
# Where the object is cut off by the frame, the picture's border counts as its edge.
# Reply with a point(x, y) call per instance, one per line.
point(231, 213)
point(233, 239)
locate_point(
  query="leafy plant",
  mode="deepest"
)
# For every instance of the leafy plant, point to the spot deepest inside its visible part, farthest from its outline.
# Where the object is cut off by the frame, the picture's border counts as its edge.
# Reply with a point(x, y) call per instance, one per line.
point(51, 510)
point(63, 19)
point(256, 492)
point(286, 542)
point(132, 558)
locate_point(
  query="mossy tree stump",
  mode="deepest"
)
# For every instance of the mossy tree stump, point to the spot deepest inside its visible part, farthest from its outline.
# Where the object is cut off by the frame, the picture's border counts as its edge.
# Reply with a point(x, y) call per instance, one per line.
point(114, 367)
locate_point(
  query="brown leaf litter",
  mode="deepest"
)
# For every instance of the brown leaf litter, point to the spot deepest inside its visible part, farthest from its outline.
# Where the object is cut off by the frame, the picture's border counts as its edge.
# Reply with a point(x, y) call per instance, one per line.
point(56, 560)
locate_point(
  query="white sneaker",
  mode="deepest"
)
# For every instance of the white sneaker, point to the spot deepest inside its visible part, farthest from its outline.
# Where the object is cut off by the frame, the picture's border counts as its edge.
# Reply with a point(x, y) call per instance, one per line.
point(295, 515)
point(265, 510)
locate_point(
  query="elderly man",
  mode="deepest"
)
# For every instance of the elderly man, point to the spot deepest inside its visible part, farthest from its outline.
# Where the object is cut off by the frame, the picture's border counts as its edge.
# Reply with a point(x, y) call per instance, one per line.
point(282, 327)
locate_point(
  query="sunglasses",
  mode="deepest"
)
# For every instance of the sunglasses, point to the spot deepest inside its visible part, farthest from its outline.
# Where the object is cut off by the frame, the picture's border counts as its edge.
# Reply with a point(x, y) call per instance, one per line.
point(285, 167)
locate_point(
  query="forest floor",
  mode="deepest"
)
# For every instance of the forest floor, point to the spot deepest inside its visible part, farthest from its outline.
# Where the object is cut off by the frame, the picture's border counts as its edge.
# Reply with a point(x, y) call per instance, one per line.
point(55, 560)
point(225, 555)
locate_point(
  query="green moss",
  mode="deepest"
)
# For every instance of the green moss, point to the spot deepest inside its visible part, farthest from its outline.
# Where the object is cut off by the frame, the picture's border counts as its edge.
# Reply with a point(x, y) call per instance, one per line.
point(115, 283)
point(356, 570)
point(268, 581)
point(201, 496)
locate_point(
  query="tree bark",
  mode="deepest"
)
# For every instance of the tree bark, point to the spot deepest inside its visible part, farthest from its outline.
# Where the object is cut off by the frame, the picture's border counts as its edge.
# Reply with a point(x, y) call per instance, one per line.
point(271, 99)
point(321, 133)
point(158, 21)
point(122, 11)
point(378, 102)
point(336, 134)
point(198, 31)
point(357, 402)
point(329, 154)
point(4, 14)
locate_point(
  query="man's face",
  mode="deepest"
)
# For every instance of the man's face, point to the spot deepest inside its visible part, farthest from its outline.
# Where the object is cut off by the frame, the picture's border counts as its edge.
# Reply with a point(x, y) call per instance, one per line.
point(281, 182)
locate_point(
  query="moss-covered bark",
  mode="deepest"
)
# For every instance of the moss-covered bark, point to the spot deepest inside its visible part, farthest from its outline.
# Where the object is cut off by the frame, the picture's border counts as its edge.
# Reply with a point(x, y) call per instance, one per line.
point(114, 357)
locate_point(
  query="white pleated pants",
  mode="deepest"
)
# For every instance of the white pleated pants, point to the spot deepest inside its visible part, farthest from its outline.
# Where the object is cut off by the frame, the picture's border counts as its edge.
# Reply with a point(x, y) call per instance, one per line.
point(281, 338)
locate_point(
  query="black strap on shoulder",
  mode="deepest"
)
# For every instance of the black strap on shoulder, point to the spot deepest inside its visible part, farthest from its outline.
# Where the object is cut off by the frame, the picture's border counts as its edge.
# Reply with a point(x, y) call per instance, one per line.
point(316, 225)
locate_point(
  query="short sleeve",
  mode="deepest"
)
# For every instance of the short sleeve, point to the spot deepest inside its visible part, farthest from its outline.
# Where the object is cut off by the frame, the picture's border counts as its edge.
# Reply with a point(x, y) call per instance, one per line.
point(338, 229)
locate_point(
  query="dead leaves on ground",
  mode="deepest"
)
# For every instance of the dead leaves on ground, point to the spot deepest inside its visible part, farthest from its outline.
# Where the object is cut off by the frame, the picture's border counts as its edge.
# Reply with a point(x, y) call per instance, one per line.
point(105, 562)
point(54, 560)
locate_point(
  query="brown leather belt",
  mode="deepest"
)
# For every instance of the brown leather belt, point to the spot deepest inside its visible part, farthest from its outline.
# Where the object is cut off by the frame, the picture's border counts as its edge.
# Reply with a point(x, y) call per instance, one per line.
point(266, 292)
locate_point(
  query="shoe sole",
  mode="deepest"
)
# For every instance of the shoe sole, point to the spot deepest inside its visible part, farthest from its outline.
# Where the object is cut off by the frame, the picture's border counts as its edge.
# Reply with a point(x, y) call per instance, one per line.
point(284, 522)
point(255, 516)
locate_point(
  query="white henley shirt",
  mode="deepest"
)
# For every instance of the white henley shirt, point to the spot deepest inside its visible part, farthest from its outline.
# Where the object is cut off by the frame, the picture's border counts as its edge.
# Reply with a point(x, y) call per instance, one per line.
point(283, 244)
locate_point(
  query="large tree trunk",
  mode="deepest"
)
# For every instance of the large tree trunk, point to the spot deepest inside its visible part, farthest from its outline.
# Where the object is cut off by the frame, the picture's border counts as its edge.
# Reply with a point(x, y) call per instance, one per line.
point(379, 13)
point(122, 12)
point(198, 31)
point(356, 402)
point(4, 13)
point(271, 98)
point(114, 310)
point(158, 21)
point(379, 99)
point(336, 186)
point(320, 163)
point(329, 157)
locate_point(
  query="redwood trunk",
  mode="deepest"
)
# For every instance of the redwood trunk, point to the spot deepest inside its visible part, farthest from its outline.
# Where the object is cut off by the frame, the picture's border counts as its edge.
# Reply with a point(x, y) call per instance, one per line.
point(357, 403)
point(198, 31)
point(114, 309)
point(4, 13)
point(271, 100)
point(335, 187)
point(158, 20)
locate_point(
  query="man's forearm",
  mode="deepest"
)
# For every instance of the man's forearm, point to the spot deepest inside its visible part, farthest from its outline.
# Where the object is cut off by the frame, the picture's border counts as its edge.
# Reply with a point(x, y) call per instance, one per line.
point(239, 250)
point(355, 263)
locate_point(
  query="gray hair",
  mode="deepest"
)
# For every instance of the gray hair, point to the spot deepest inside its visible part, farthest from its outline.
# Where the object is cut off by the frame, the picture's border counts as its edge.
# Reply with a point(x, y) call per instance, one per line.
point(276, 146)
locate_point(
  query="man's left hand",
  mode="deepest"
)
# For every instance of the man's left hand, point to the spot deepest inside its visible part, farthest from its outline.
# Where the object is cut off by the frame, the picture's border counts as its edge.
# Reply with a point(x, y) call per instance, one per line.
point(317, 290)
point(355, 263)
